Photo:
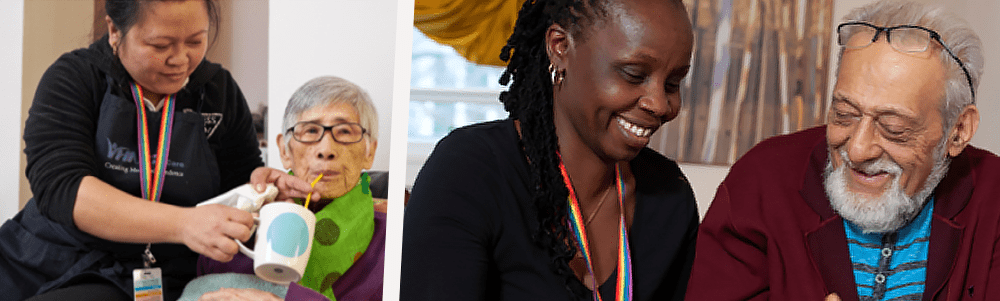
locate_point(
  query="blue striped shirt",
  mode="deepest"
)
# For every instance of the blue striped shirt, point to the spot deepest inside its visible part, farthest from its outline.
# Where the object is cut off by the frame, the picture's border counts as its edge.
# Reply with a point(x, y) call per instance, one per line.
point(891, 266)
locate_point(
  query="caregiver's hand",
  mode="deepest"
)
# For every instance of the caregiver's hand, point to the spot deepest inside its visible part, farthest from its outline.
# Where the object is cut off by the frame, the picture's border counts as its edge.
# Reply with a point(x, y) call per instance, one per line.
point(209, 230)
point(289, 186)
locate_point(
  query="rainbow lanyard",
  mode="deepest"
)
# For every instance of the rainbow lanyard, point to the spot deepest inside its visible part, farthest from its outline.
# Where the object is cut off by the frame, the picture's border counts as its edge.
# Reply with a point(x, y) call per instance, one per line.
point(623, 285)
point(152, 183)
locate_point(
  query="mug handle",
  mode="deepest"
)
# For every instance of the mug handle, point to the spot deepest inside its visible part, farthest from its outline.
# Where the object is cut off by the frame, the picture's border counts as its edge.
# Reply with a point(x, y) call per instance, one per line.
point(243, 249)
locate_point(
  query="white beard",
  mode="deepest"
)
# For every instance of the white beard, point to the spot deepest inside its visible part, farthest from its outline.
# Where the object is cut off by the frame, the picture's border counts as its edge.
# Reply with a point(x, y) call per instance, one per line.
point(891, 210)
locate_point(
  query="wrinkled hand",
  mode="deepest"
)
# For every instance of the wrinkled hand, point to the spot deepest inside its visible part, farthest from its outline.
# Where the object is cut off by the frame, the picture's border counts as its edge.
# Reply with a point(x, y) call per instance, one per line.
point(238, 294)
point(289, 186)
point(209, 230)
point(832, 297)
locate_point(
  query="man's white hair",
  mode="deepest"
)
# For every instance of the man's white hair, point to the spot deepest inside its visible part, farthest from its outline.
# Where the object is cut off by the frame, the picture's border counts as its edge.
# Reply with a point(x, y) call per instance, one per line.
point(955, 33)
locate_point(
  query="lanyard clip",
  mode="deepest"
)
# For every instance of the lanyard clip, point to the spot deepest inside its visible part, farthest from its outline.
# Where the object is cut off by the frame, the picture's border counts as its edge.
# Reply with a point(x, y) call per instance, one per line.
point(147, 257)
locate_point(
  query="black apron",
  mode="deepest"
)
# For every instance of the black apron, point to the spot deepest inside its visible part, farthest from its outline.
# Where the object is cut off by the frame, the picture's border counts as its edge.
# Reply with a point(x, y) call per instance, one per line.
point(42, 254)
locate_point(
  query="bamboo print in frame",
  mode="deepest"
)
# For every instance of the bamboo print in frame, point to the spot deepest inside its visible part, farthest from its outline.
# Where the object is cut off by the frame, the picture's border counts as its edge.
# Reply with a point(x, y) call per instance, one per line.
point(760, 68)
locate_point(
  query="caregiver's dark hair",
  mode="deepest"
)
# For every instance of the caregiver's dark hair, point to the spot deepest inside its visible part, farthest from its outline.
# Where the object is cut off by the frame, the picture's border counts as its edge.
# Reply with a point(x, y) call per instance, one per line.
point(125, 13)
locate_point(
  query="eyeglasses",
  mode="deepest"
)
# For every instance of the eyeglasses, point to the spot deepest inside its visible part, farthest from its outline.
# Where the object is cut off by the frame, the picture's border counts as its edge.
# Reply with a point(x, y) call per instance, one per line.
point(903, 38)
point(308, 132)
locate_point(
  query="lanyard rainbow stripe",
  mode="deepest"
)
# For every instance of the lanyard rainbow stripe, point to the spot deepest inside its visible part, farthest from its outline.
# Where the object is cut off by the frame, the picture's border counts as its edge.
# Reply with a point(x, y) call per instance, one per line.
point(623, 285)
point(152, 183)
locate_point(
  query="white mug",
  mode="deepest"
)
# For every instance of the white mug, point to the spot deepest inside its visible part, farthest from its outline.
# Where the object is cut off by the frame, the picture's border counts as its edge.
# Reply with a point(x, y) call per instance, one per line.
point(284, 240)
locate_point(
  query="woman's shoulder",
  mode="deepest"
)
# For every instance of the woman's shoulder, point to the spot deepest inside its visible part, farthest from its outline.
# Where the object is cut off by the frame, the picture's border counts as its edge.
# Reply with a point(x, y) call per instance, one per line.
point(489, 133)
point(649, 163)
point(480, 159)
point(96, 59)
point(657, 175)
point(494, 140)
point(209, 72)
point(75, 76)
point(80, 65)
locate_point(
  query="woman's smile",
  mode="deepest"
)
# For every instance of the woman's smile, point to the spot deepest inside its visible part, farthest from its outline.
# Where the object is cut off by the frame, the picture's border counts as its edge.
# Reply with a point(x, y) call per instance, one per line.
point(636, 136)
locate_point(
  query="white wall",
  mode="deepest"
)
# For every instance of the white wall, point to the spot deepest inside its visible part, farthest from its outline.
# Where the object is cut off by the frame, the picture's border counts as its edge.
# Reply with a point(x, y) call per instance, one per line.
point(704, 180)
point(352, 39)
point(11, 31)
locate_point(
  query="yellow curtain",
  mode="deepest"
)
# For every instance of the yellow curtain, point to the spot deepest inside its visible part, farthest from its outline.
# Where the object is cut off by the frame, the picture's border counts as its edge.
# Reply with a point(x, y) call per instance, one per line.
point(477, 29)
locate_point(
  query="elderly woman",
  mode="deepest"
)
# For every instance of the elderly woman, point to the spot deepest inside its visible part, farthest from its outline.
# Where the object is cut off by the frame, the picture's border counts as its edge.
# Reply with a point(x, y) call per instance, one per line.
point(347, 257)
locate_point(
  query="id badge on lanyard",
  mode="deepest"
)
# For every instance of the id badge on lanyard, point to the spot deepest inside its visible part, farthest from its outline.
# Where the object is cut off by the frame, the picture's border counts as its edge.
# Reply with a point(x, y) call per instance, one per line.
point(148, 281)
point(148, 284)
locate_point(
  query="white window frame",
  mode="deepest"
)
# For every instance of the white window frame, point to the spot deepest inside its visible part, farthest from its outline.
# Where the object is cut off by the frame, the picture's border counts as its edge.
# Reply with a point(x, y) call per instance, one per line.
point(417, 151)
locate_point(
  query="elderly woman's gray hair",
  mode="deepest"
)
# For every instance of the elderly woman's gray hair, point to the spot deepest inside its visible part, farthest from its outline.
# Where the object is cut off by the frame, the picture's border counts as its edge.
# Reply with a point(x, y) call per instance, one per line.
point(955, 33)
point(326, 90)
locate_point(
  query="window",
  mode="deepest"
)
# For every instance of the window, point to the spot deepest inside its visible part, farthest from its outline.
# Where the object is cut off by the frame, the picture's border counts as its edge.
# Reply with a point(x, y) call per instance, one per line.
point(446, 92)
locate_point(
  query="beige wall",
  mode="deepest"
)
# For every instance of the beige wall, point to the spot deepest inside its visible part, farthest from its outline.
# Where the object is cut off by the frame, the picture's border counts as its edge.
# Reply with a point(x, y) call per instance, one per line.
point(51, 28)
point(982, 16)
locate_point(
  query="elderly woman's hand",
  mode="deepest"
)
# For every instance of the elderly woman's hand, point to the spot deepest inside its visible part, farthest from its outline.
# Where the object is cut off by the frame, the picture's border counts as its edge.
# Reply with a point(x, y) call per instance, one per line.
point(289, 186)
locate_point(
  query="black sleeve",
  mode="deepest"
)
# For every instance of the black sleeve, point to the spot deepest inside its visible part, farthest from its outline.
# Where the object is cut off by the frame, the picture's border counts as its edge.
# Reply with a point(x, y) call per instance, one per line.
point(235, 145)
point(685, 259)
point(59, 135)
point(447, 225)
point(680, 268)
point(669, 244)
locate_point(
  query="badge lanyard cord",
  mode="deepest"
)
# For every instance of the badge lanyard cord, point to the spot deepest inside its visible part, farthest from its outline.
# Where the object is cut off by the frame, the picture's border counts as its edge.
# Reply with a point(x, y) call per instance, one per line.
point(152, 183)
point(623, 284)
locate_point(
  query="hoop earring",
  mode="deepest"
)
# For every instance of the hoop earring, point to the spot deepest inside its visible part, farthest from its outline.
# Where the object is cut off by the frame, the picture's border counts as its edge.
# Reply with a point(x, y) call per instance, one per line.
point(557, 75)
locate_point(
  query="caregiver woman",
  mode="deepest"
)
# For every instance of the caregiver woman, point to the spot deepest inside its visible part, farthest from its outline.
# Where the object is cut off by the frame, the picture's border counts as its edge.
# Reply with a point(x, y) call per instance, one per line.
point(94, 123)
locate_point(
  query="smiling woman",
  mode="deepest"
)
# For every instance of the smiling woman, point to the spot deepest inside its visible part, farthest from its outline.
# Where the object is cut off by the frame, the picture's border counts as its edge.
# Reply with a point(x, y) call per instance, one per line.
point(118, 153)
point(160, 55)
point(563, 201)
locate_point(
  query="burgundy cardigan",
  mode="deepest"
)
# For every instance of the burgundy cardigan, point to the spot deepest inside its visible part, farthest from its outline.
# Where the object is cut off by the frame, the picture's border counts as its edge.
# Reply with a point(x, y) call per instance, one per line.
point(770, 232)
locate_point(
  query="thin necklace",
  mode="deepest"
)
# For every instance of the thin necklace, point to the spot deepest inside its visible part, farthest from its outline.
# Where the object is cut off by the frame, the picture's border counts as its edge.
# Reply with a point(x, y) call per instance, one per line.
point(599, 204)
point(623, 284)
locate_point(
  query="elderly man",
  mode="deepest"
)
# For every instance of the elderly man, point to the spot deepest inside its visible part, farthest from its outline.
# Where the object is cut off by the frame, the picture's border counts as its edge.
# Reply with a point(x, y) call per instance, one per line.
point(330, 137)
point(887, 200)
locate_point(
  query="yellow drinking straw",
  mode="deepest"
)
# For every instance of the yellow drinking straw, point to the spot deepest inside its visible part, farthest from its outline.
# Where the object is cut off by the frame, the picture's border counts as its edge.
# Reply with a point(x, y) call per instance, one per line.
point(313, 185)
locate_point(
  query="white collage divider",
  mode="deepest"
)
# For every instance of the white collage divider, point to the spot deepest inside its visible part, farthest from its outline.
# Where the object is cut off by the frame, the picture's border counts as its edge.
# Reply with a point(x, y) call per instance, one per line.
point(12, 33)
point(397, 178)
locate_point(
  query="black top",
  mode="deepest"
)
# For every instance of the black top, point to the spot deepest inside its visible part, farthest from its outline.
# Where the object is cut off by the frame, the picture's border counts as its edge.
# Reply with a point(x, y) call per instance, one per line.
point(83, 122)
point(62, 134)
point(469, 226)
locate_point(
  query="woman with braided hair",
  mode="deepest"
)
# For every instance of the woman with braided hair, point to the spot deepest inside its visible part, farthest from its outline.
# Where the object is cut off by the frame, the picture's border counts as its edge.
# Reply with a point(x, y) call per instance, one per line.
point(563, 198)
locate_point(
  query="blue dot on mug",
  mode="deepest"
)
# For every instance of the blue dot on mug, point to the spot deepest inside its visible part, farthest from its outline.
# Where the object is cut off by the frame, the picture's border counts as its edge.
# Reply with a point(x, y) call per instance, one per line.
point(288, 235)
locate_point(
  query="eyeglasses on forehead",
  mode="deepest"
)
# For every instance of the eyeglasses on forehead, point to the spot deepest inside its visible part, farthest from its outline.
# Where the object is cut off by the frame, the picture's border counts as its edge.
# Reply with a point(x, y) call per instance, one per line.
point(902, 38)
